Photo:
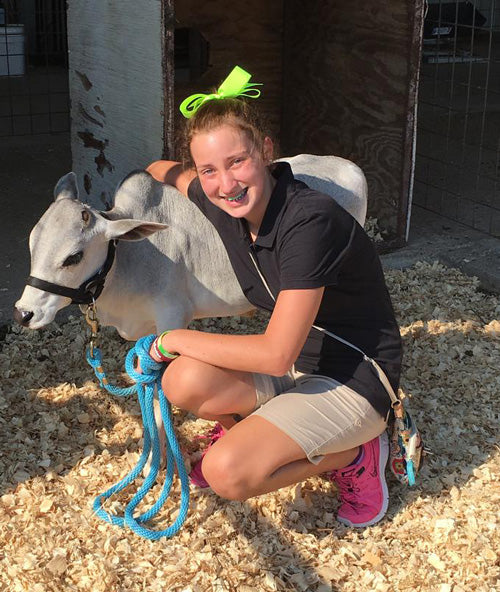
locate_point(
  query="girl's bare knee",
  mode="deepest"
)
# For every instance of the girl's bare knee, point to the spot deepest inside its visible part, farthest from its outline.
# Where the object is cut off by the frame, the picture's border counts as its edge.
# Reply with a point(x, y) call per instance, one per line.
point(181, 384)
point(222, 470)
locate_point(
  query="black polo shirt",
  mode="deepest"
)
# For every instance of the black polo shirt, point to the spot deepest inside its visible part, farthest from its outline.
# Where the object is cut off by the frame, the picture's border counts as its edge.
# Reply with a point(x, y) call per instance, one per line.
point(306, 240)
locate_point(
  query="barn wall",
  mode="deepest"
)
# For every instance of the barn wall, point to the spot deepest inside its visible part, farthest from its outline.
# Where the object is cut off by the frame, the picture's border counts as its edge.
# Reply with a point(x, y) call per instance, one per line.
point(117, 96)
point(247, 34)
point(339, 78)
point(350, 71)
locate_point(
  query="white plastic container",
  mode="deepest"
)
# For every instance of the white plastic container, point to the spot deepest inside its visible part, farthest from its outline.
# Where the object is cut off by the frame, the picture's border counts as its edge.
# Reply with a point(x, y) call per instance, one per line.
point(12, 50)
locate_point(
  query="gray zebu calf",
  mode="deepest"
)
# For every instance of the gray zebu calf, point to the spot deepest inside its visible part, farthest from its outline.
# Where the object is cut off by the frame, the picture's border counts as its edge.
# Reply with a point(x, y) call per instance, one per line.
point(180, 272)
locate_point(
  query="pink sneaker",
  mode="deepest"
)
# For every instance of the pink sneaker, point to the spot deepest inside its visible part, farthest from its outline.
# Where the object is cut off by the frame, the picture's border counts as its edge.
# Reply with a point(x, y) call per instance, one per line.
point(362, 487)
point(196, 475)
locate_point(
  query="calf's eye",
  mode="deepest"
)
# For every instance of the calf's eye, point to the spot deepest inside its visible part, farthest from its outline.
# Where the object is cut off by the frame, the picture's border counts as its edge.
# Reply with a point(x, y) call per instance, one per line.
point(73, 259)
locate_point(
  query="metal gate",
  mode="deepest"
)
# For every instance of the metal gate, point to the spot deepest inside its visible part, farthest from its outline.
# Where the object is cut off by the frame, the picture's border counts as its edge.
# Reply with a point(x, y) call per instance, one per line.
point(457, 171)
point(34, 94)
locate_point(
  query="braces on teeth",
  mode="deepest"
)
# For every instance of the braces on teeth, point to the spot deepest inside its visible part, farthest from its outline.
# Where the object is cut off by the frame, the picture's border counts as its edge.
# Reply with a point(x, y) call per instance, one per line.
point(237, 197)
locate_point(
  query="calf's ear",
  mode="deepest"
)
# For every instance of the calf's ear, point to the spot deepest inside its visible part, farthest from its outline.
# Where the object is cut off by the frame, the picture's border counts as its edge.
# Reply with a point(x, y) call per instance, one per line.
point(132, 230)
point(66, 187)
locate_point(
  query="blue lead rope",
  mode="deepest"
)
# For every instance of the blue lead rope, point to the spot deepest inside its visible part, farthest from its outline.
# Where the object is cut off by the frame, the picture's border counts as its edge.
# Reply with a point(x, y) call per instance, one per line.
point(144, 387)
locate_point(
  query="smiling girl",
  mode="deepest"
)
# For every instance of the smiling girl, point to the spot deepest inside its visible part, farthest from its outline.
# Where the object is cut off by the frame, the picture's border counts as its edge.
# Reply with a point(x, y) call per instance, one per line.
point(292, 402)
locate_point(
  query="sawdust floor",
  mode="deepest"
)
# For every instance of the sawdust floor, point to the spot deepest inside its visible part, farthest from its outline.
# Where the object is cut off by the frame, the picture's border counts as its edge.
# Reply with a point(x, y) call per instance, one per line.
point(63, 440)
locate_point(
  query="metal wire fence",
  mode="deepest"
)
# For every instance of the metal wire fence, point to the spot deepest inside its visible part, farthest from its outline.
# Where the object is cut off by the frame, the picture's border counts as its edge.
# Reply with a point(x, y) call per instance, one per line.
point(34, 93)
point(457, 171)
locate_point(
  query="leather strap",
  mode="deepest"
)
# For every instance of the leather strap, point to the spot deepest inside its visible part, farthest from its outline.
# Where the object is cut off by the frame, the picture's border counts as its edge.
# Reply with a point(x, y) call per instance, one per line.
point(88, 291)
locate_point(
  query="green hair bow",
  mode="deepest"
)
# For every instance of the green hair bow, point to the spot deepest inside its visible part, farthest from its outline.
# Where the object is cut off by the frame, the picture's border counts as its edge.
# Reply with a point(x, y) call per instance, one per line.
point(235, 85)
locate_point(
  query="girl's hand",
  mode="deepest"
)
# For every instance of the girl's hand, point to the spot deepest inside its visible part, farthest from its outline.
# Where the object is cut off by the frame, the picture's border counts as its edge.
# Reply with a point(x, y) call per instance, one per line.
point(153, 352)
point(172, 173)
point(164, 171)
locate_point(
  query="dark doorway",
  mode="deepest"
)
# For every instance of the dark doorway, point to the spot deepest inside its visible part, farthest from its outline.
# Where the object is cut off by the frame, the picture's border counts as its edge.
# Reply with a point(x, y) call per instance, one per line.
point(34, 94)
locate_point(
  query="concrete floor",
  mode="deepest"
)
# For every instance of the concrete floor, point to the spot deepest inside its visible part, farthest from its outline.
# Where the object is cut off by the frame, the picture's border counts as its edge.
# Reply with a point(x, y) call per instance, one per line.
point(31, 165)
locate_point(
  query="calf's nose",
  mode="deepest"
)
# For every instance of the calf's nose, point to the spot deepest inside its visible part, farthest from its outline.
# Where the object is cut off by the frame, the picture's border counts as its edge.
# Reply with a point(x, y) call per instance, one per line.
point(23, 317)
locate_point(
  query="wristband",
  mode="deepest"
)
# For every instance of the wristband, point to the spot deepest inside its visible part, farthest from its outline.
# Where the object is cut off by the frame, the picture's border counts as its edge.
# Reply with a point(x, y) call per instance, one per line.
point(163, 352)
point(157, 352)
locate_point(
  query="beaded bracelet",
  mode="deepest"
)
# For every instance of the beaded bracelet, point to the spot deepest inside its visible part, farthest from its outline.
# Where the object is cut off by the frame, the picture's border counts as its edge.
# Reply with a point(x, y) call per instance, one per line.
point(161, 351)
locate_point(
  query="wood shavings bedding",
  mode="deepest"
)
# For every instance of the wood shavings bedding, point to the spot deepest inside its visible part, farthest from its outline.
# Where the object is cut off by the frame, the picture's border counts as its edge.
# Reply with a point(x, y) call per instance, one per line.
point(63, 440)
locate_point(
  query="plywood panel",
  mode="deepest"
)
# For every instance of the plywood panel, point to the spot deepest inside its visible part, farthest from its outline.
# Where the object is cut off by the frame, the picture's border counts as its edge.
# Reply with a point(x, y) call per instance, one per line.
point(350, 75)
point(247, 34)
point(117, 90)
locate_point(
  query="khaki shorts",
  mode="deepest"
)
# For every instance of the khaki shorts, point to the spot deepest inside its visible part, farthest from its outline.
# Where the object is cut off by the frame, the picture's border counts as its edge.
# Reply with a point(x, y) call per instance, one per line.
point(319, 413)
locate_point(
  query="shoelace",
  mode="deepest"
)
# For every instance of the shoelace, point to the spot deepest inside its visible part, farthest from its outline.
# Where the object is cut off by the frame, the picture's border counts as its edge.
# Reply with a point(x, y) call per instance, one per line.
point(345, 482)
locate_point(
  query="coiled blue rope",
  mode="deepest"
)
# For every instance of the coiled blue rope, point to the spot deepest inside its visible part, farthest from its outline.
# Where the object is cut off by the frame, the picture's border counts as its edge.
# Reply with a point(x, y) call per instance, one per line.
point(144, 387)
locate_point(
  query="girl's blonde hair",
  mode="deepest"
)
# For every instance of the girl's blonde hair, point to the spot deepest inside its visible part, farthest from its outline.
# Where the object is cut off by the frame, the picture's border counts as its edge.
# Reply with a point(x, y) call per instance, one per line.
point(217, 112)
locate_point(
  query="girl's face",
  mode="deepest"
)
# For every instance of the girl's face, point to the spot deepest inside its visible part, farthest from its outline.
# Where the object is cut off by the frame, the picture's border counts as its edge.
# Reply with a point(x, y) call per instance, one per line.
point(233, 173)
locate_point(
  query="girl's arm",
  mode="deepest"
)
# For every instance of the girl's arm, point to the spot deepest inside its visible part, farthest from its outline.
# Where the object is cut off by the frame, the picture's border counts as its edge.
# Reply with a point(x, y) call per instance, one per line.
point(172, 173)
point(273, 352)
